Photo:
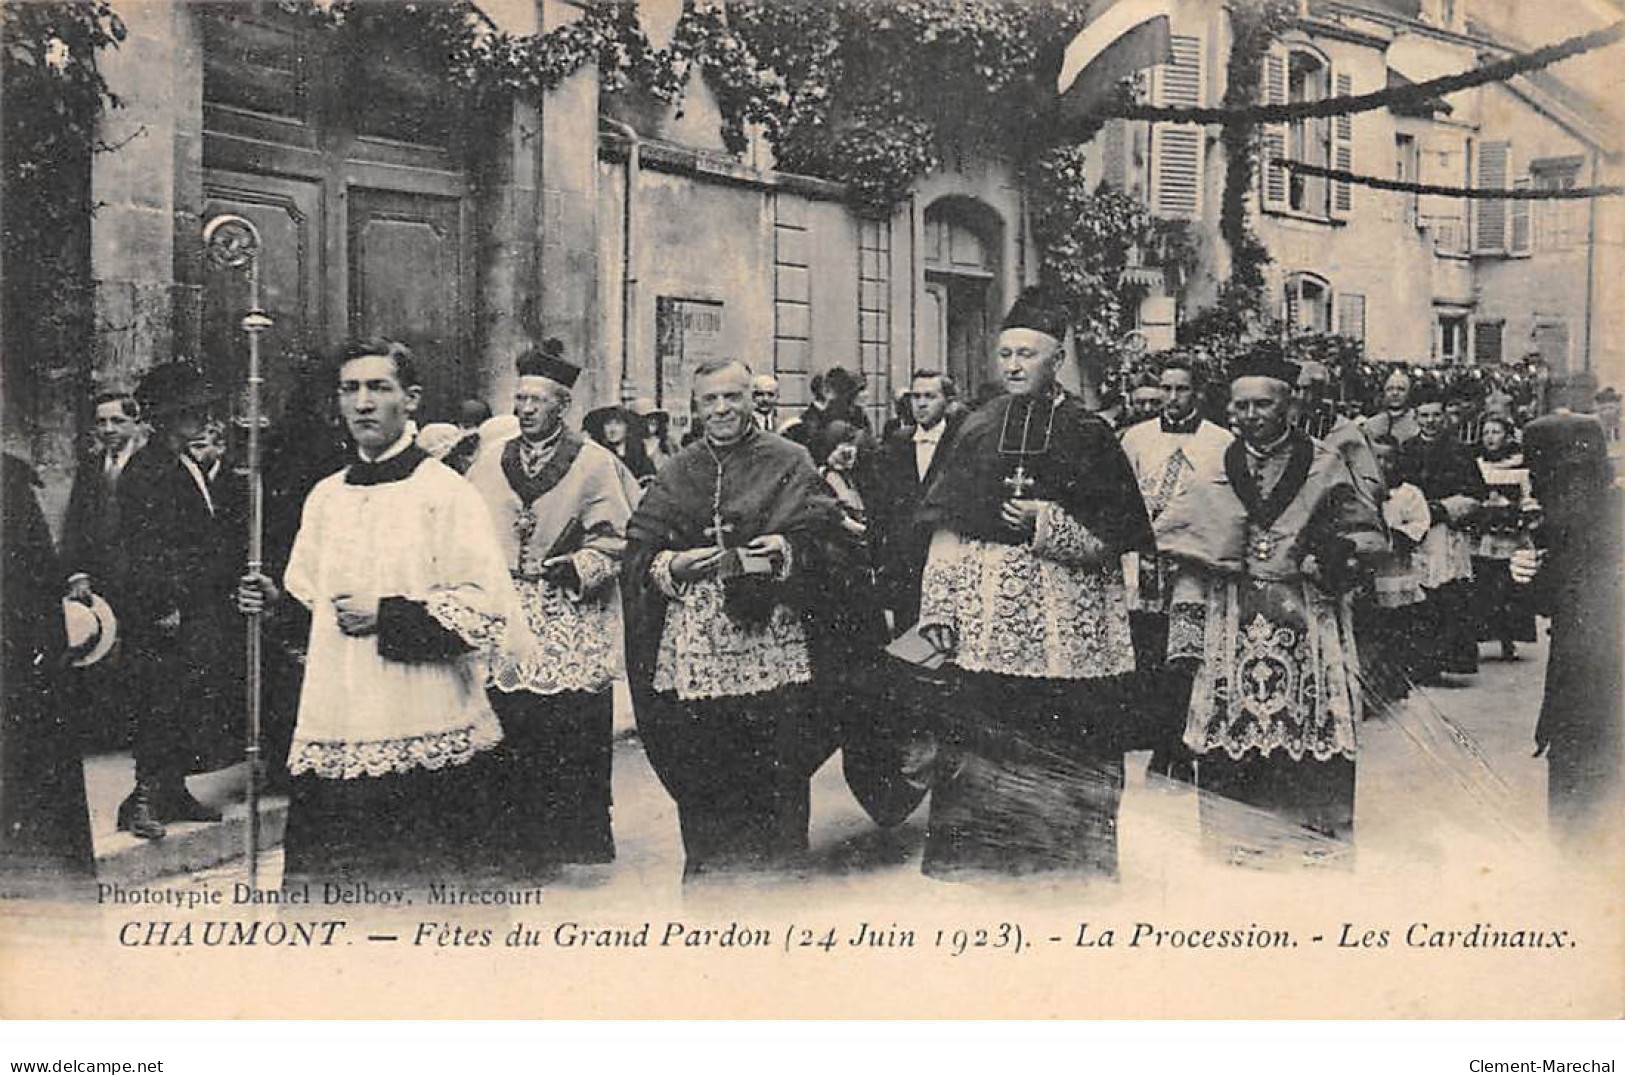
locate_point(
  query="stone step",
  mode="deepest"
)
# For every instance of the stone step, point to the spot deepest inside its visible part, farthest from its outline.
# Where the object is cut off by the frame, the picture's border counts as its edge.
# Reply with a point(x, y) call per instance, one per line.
point(188, 846)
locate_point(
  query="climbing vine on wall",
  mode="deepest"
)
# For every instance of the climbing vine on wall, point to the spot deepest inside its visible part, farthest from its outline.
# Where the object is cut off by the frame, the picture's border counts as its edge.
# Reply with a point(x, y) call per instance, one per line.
point(872, 95)
point(1242, 303)
point(54, 94)
point(1087, 240)
point(876, 95)
point(489, 65)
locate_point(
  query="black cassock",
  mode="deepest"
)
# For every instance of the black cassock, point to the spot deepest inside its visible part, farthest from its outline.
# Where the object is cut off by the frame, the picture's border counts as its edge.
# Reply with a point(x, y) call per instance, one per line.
point(1446, 632)
point(1031, 767)
point(738, 761)
point(1580, 728)
point(44, 825)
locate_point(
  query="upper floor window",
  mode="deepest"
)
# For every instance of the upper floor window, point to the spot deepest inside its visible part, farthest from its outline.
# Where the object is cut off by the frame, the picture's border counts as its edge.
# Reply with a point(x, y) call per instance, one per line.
point(1407, 169)
point(1309, 139)
point(1177, 148)
point(1294, 74)
point(1558, 225)
point(1519, 226)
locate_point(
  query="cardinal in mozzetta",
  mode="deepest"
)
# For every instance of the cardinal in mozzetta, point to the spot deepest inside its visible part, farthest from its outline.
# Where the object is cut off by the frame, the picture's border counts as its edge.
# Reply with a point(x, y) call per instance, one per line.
point(559, 503)
point(726, 558)
point(1280, 533)
point(1030, 515)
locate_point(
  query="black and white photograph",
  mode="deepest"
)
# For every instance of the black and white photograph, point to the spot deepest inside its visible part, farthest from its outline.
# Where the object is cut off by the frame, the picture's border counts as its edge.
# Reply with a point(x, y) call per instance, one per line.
point(835, 509)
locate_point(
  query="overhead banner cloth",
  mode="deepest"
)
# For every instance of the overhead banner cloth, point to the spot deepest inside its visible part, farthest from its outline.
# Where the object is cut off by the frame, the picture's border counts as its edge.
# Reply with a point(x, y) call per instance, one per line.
point(1125, 37)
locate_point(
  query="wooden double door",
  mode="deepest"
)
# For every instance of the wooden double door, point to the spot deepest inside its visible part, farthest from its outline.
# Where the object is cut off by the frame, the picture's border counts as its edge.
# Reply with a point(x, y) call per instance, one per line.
point(365, 211)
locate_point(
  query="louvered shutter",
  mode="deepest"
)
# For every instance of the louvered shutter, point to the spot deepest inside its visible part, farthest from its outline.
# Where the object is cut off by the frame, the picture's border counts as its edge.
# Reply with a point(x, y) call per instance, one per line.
point(1342, 200)
point(1518, 212)
point(1292, 307)
point(1176, 178)
point(1273, 136)
point(1351, 316)
point(1490, 230)
point(1487, 342)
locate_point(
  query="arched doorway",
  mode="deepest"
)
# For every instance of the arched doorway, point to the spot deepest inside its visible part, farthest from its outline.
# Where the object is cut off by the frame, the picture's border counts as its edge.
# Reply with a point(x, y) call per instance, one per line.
point(963, 294)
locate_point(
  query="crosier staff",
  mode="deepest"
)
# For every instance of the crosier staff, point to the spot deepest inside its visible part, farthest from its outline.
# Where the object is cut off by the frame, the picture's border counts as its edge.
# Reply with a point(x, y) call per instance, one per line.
point(233, 242)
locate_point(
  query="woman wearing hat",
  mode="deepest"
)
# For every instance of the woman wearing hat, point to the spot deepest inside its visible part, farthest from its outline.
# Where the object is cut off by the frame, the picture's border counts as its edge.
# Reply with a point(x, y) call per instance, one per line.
point(621, 431)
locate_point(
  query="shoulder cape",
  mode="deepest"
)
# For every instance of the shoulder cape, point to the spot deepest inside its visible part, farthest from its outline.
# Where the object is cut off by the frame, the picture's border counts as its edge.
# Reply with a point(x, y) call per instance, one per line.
point(1084, 471)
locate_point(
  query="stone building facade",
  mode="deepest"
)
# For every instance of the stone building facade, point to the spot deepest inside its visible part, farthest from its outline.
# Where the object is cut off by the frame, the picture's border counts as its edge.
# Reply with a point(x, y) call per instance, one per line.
point(1420, 278)
point(386, 207)
point(627, 230)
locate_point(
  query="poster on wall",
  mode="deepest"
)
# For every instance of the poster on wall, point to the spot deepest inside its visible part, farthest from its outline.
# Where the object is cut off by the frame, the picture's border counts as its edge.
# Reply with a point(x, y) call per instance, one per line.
point(687, 333)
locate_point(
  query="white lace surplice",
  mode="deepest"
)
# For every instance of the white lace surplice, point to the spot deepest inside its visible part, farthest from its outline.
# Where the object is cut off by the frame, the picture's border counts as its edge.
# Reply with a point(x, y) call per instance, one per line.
point(1054, 609)
point(705, 654)
point(576, 644)
point(426, 538)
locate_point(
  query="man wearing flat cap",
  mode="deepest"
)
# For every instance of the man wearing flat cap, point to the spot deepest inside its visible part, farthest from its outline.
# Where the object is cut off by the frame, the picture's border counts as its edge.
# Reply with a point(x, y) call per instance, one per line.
point(1279, 530)
point(1023, 590)
point(178, 581)
point(559, 503)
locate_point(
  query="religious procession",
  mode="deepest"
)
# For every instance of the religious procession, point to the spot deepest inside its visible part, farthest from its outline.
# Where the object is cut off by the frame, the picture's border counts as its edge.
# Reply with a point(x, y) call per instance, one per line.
point(1175, 438)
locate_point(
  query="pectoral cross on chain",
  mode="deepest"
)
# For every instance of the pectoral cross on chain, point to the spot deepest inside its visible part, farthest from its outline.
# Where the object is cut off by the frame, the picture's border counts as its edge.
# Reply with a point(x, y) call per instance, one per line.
point(1019, 482)
point(718, 530)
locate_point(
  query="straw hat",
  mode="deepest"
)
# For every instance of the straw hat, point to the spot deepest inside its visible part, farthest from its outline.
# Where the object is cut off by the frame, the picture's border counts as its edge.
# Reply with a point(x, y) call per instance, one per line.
point(92, 629)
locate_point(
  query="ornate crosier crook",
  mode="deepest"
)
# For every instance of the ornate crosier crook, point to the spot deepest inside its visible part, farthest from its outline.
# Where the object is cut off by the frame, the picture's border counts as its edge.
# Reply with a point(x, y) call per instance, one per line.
point(231, 243)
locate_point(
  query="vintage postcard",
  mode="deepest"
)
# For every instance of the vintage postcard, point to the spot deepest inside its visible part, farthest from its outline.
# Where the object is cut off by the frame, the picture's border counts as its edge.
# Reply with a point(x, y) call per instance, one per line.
point(1076, 509)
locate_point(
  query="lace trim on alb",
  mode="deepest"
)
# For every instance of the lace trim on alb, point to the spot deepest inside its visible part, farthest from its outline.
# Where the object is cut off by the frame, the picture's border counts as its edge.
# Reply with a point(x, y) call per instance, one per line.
point(340, 760)
point(705, 654)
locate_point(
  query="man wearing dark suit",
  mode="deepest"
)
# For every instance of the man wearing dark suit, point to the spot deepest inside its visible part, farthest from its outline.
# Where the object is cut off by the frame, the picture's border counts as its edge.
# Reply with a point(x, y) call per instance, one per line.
point(93, 557)
point(907, 464)
point(180, 576)
point(92, 542)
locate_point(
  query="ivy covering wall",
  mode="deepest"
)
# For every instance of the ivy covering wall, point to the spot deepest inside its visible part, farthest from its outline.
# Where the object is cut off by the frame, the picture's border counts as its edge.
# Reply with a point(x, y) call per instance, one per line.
point(873, 94)
point(54, 97)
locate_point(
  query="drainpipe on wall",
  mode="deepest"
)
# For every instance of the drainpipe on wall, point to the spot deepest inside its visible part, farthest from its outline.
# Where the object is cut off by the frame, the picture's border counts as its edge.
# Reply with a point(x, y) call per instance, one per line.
point(629, 261)
point(1591, 256)
point(913, 283)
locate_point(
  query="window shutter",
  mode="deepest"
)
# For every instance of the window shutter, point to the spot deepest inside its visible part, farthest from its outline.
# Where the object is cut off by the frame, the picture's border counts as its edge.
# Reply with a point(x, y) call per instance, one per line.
point(1490, 234)
point(1176, 177)
point(1351, 316)
point(1518, 211)
point(1342, 201)
point(1487, 343)
point(1292, 307)
point(1273, 136)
